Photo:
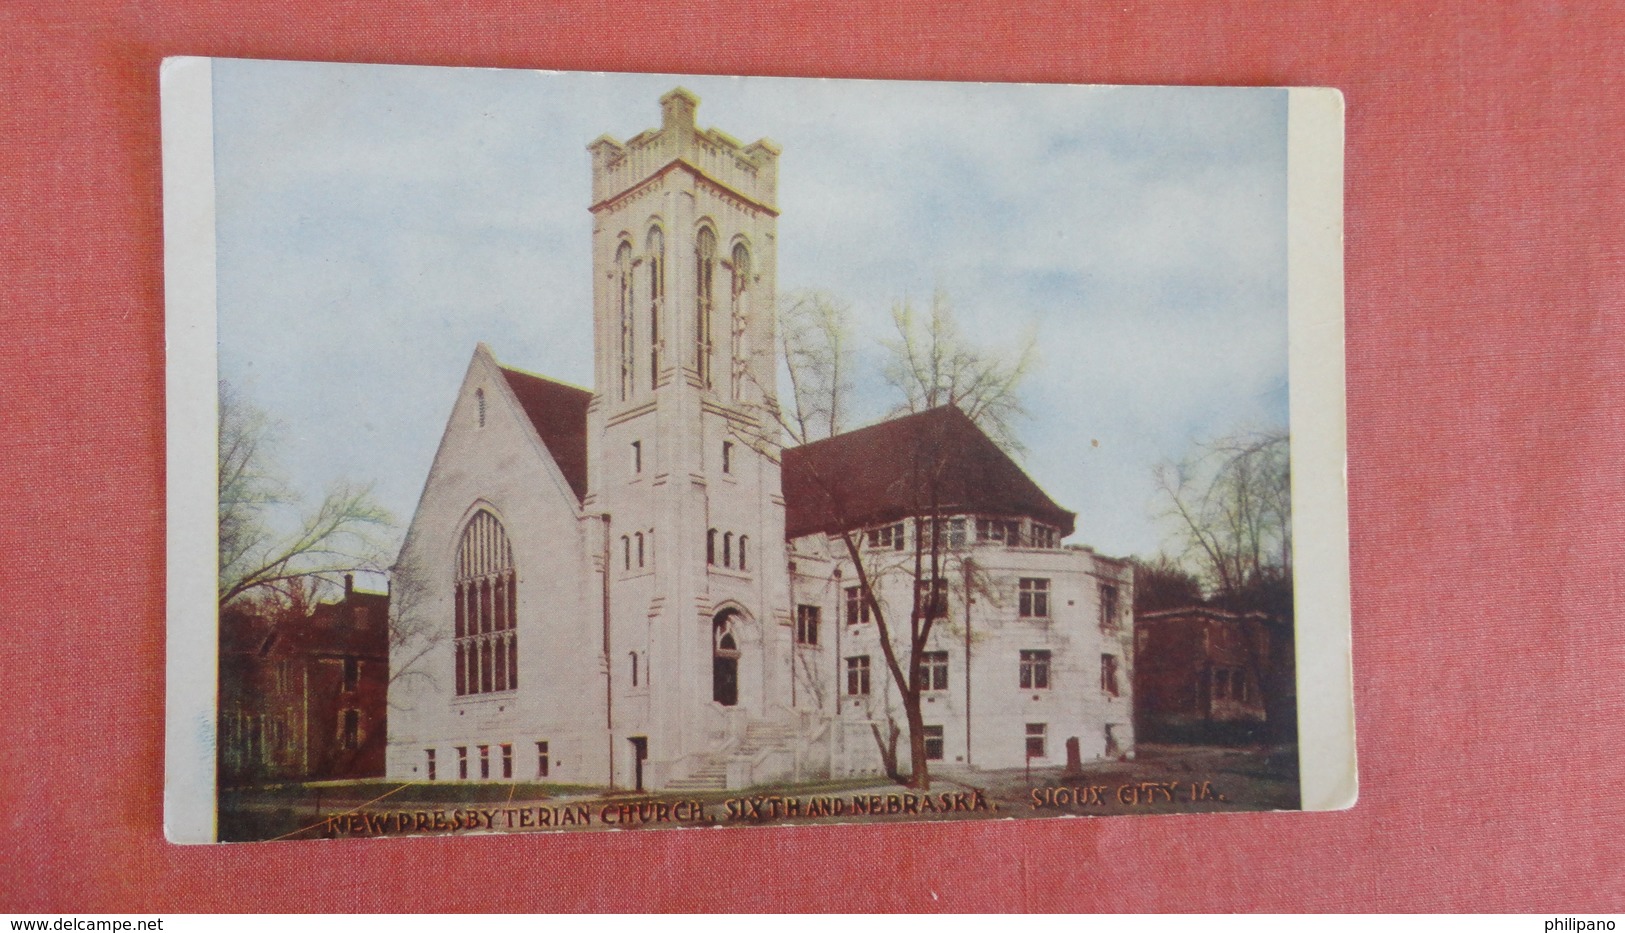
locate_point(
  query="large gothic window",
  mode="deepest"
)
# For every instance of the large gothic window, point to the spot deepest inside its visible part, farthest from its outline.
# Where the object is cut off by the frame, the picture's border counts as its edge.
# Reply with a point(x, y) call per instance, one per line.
point(487, 600)
point(657, 296)
point(705, 263)
point(623, 285)
point(741, 284)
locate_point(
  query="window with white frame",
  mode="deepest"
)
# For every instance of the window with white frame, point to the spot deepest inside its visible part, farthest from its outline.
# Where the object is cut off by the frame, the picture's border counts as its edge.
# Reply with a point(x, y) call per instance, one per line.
point(1108, 606)
point(857, 608)
point(1036, 733)
point(932, 598)
point(1033, 602)
point(1034, 673)
point(857, 675)
point(998, 531)
point(887, 537)
point(933, 743)
point(807, 625)
point(934, 670)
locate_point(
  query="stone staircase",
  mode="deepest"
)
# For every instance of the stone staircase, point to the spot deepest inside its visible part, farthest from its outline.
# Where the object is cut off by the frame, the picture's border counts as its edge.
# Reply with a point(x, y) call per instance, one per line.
point(712, 773)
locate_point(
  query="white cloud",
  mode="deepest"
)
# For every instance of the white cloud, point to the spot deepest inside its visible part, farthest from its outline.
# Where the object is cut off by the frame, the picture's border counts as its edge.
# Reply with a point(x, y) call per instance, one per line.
point(376, 222)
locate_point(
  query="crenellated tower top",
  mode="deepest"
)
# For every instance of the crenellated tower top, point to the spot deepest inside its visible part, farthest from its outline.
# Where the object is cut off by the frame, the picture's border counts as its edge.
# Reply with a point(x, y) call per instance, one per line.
point(747, 172)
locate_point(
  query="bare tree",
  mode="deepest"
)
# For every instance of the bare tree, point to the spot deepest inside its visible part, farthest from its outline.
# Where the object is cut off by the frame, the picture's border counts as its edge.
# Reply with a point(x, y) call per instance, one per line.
point(1230, 502)
point(1161, 582)
point(345, 533)
point(1231, 505)
point(931, 365)
point(415, 630)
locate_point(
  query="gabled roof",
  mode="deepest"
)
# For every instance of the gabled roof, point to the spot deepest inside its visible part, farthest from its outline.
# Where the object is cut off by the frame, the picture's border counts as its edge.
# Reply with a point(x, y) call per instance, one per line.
point(879, 474)
point(559, 413)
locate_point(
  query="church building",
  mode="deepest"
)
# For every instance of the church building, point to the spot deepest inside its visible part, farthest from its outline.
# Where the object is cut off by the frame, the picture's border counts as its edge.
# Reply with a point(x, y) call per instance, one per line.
point(639, 586)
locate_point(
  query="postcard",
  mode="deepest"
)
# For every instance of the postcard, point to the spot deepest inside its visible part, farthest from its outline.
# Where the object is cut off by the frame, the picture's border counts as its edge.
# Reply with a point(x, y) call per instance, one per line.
point(576, 452)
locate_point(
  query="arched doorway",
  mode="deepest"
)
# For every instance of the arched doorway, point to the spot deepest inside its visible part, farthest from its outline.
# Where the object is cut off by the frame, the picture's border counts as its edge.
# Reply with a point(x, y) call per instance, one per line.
point(725, 658)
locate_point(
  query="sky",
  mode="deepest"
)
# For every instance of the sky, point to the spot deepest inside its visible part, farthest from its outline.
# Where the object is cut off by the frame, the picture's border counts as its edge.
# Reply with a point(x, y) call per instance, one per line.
point(374, 223)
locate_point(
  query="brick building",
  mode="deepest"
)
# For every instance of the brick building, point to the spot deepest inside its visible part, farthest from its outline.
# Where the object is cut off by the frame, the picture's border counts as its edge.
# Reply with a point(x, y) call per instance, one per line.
point(304, 697)
point(1204, 675)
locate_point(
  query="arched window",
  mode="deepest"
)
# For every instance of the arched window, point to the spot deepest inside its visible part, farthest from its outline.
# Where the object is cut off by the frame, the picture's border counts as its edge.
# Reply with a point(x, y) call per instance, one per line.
point(743, 540)
point(711, 546)
point(633, 655)
point(640, 549)
point(487, 599)
point(737, 319)
point(705, 261)
point(623, 285)
point(724, 659)
point(657, 296)
point(479, 402)
point(626, 553)
point(727, 549)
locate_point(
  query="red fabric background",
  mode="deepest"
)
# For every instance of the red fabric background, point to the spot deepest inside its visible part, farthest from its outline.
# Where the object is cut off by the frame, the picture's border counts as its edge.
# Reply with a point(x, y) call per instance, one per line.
point(1486, 279)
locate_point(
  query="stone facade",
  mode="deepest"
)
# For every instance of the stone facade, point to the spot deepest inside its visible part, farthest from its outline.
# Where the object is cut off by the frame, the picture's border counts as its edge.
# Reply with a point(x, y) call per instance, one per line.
point(623, 587)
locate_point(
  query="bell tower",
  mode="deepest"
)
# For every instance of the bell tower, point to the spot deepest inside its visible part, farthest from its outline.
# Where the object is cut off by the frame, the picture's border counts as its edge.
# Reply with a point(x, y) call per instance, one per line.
point(683, 448)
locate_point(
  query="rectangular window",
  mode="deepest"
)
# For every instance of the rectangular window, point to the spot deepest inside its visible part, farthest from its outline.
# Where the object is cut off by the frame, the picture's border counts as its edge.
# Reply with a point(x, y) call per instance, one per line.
point(1035, 670)
point(998, 531)
point(462, 762)
point(485, 762)
point(507, 761)
point(351, 737)
point(1045, 536)
point(428, 763)
point(857, 676)
point(637, 456)
point(857, 608)
point(887, 537)
point(542, 763)
point(1034, 602)
point(352, 673)
point(1108, 606)
point(1108, 675)
point(934, 670)
point(807, 625)
point(933, 743)
point(727, 456)
point(1035, 739)
point(932, 596)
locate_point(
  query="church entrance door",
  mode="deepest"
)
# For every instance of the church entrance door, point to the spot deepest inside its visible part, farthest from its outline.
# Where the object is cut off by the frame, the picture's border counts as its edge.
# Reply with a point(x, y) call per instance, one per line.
point(725, 659)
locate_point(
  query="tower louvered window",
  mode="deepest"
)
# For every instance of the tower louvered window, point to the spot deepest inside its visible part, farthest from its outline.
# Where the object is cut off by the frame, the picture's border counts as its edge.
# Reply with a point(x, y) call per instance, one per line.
point(657, 297)
point(487, 599)
point(705, 263)
point(623, 283)
point(741, 284)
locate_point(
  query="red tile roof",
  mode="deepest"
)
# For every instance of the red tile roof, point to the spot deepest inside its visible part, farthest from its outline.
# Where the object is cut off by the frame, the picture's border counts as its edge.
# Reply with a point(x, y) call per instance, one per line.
point(852, 480)
point(878, 474)
point(559, 413)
